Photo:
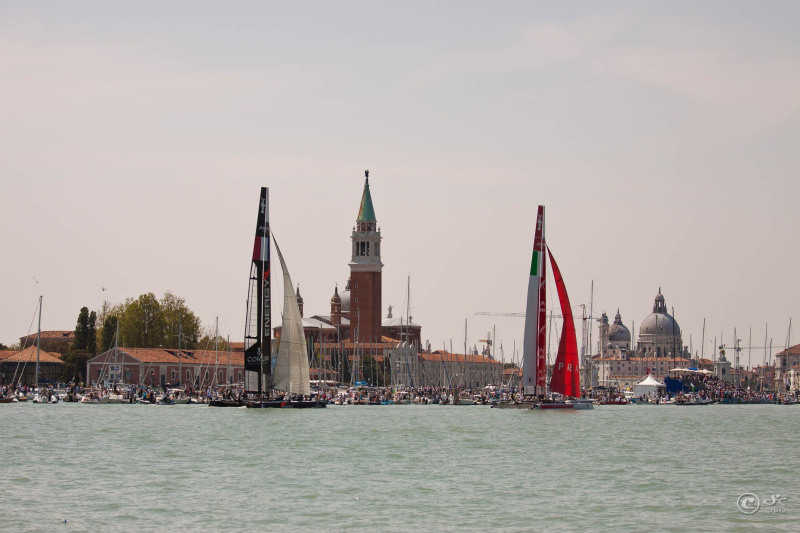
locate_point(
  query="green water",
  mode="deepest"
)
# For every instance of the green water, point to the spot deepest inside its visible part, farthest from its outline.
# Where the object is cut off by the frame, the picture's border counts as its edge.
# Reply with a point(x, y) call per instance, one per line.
point(396, 468)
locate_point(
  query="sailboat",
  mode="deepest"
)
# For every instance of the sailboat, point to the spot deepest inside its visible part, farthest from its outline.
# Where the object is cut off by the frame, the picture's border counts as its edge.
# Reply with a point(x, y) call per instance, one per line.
point(290, 385)
point(565, 379)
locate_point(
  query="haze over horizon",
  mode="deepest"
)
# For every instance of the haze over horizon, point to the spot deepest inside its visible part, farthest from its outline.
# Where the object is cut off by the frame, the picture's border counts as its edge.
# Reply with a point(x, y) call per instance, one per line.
point(661, 138)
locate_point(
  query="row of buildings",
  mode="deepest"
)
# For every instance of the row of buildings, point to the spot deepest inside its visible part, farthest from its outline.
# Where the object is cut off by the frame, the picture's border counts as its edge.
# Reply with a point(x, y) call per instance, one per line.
point(354, 342)
point(659, 351)
point(355, 331)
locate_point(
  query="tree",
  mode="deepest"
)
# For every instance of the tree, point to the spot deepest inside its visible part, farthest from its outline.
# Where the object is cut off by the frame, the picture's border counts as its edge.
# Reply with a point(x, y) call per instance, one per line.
point(80, 340)
point(208, 342)
point(75, 364)
point(142, 324)
point(181, 325)
point(91, 334)
point(84, 346)
point(146, 322)
point(107, 332)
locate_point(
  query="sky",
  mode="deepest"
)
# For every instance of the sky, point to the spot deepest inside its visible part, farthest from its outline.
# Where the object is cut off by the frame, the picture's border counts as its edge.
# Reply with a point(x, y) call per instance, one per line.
point(661, 137)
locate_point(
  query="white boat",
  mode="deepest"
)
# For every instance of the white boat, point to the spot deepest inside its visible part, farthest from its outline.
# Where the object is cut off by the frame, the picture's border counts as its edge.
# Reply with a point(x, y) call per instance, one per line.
point(43, 398)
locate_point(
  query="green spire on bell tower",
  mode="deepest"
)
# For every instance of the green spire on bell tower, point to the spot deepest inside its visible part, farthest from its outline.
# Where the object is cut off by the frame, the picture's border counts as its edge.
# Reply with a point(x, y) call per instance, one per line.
point(366, 213)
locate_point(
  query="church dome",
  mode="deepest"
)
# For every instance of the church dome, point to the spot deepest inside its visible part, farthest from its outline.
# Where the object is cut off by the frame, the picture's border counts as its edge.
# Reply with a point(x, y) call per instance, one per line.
point(336, 299)
point(617, 332)
point(660, 322)
point(299, 298)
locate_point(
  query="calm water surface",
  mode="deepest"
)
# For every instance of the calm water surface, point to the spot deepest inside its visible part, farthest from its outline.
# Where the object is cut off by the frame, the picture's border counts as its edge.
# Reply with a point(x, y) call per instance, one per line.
point(396, 468)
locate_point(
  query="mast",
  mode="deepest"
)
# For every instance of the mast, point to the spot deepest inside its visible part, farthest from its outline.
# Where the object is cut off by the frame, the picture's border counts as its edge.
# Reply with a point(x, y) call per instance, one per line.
point(38, 343)
point(180, 366)
point(534, 362)
point(703, 341)
point(588, 356)
point(257, 336)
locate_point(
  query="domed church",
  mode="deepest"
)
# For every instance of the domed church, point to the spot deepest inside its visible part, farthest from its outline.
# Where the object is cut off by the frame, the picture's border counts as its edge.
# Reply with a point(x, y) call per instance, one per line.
point(659, 334)
point(614, 338)
point(659, 348)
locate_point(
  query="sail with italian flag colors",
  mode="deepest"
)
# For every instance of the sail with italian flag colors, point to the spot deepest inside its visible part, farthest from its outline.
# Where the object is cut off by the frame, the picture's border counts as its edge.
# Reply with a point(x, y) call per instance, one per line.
point(534, 363)
point(566, 374)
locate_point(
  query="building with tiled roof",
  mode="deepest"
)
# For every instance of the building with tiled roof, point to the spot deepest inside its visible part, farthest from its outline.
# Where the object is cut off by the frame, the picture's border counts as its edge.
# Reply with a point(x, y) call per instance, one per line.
point(20, 366)
point(51, 341)
point(785, 360)
point(159, 367)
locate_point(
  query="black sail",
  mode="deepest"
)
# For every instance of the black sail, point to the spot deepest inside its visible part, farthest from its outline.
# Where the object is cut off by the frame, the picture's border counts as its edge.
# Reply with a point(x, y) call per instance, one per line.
point(257, 337)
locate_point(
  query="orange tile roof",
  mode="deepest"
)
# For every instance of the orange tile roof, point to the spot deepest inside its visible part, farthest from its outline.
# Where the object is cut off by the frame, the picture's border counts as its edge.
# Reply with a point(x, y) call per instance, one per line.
point(168, 356)
point(28, 355)
point(794, 350)
point(440, 355)
point(51, 335)
point(5, 354)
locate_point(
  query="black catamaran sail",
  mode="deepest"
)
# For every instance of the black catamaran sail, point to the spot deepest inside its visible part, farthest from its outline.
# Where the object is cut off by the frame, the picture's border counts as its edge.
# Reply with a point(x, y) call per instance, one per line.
point(258, 325)
point(259, 380)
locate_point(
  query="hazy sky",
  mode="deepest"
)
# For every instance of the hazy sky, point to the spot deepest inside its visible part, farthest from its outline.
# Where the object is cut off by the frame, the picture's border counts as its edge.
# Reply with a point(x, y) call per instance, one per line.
point(662, 138)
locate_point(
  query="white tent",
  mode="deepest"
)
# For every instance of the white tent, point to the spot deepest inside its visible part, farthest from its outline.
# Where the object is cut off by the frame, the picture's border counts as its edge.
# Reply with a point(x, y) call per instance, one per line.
point(646, 386)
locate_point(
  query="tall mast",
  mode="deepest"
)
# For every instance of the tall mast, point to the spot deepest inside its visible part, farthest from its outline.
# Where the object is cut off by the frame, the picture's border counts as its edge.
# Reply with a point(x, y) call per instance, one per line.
point(265, 300)
point(258, 345)
point(534, 357)
point(180, 366)
point(588, 356)
point(38, 342)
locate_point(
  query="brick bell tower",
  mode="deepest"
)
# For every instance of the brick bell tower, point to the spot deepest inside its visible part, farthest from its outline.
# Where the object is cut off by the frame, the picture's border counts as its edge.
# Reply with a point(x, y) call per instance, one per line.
point(365, 273)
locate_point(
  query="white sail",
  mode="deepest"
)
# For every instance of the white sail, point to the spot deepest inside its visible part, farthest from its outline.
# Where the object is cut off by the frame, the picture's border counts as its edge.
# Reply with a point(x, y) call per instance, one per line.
point(291, 366)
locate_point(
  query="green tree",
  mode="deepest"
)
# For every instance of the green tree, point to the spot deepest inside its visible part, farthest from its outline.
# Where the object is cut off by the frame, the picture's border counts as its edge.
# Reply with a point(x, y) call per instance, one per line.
point(81, 338)
point(91, 334)
point(142, 323)
point(107, 332)
point(181, 325)
point(75, 365)
point(208, 343)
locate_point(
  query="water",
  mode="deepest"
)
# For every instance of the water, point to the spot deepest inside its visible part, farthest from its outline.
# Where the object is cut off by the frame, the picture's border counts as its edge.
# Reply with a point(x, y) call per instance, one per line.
point(395, 468)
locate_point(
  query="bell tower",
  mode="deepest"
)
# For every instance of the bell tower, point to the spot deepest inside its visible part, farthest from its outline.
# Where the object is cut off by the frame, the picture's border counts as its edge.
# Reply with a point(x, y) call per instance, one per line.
point(365, 272)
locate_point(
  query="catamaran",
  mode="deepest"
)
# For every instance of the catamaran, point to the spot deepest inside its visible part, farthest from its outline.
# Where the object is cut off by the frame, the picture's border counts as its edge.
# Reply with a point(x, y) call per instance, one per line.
point(289, 386)
point(565, 379)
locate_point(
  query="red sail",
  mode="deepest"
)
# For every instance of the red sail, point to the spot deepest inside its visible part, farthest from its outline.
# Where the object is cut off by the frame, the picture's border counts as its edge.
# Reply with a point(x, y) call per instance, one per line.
point(566, 373)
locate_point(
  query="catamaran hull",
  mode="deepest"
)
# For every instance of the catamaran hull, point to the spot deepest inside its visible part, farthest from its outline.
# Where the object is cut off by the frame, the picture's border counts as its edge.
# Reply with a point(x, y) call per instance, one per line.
point(515, 405)
point(554, 405)
point(285, 404)
point(577, 404)
point(225, 403)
